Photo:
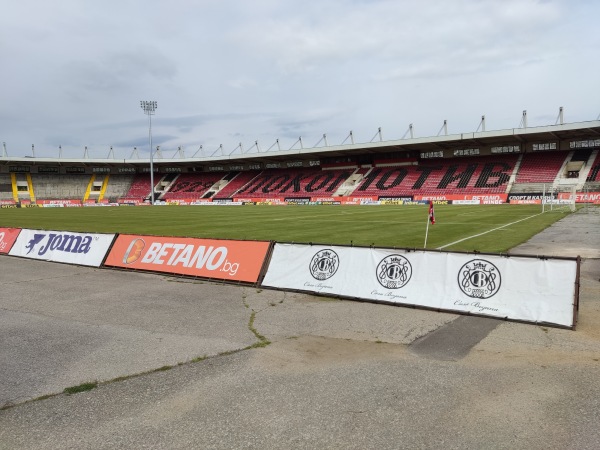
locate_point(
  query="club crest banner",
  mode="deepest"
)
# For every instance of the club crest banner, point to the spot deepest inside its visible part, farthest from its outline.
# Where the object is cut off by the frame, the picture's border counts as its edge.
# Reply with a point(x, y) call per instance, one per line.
point(517, 288)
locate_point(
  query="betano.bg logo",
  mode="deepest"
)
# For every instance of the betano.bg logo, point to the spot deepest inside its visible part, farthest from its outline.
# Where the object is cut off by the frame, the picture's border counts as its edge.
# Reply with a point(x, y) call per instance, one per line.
point(181, 254)
point(134, 251)
point(190, 256)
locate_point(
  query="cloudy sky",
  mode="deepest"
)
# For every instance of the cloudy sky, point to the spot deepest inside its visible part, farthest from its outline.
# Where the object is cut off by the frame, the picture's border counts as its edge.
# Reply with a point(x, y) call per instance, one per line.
point(228, 71)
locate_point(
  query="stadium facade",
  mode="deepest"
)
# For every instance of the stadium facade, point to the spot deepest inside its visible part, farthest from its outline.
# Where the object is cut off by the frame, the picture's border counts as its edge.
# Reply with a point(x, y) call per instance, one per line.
point(517, 165)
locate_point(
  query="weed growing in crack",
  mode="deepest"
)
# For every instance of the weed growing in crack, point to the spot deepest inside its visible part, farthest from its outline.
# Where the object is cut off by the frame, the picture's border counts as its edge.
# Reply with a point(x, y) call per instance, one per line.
point(262, 340)
point(80, 388)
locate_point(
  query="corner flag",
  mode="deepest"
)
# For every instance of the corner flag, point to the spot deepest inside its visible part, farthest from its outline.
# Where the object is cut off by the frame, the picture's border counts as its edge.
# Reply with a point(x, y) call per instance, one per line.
point(431, 213)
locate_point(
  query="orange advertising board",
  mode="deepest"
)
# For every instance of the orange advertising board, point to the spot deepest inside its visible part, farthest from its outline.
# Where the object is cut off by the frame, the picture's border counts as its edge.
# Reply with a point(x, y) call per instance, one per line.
point(8, 236)
point(483, 198)
point(209, 258)
point(526, 202)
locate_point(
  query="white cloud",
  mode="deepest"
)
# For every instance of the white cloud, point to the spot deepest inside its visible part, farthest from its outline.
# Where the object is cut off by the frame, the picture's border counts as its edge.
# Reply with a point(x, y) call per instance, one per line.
point(231, 70)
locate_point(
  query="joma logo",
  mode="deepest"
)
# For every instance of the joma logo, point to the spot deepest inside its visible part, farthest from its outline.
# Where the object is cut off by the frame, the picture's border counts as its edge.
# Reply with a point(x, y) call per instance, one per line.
point(59, 242)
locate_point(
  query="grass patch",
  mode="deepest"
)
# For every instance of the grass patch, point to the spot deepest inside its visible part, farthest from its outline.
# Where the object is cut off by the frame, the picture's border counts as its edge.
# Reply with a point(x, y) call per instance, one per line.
point(259, 344)
point(116, 380)
point(260, 337)
point(80, 388)
point(382, 226)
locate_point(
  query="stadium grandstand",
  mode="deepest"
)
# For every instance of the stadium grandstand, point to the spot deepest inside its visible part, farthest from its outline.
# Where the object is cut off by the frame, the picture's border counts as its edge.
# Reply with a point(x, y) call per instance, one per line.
point(497, 165)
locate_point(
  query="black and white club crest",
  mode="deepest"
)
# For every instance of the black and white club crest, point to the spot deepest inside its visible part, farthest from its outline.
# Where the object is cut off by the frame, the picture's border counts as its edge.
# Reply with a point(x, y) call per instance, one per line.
point(324, 264)
point(394, 271)
point(479, 279)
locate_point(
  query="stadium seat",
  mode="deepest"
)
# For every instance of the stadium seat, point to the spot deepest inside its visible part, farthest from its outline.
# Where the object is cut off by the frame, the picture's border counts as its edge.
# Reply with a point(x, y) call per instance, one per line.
point(594, 174)
point(483, 175)
point(540, 167)
point(238, 182)
point(140, 187)
point(192, 185)
point(305, 182)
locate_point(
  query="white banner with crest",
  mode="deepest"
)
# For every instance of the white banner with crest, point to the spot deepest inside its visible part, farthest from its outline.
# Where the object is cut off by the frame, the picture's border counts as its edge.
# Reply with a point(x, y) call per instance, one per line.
point(516, 288)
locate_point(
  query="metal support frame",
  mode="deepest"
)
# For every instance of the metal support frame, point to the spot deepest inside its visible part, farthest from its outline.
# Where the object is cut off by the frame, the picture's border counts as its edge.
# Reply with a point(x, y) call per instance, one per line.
point(481, 124)
point(238, 146)
point(560, 119)
point(179, 153)
point(409, 131)
point(220, 147)
point(350, 136)
point(377, 134)
point(323, 139)
point(276, 143)
point(250, 148)
point(523, 123)
point(199, 150)
point(299, 140)
point(444, 128)
point(149, 108)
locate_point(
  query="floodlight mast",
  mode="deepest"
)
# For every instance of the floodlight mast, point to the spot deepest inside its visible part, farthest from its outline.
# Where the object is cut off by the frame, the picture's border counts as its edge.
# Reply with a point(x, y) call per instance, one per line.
point(149, 108)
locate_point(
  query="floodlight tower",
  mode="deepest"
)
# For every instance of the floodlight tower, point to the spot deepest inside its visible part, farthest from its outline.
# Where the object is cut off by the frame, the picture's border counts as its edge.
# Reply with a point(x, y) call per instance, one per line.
point(149, 108)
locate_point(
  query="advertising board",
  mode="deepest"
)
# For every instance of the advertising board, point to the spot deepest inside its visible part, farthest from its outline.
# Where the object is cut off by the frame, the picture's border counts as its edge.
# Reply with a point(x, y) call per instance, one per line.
point(518, 288)
point(84, 249)
point(581, 197)
point(8, 236)
point(484, 199)
point(209, 258)
point(59, 202)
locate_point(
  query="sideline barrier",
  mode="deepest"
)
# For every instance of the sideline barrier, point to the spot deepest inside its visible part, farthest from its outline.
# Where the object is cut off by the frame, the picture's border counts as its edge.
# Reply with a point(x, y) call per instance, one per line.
point(208, 258)
point(477, 199)
point(510, 287)
point(84, 249)
point(581, 197)
point(59, 203)
point(8, 236)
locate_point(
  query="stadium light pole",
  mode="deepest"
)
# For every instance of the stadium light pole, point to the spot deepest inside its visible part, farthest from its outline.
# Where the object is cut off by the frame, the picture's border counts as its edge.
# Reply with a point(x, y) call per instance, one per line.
point(149, 108)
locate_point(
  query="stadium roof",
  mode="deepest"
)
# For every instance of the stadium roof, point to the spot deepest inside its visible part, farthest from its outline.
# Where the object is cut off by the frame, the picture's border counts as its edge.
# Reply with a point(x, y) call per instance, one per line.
point(514, 136)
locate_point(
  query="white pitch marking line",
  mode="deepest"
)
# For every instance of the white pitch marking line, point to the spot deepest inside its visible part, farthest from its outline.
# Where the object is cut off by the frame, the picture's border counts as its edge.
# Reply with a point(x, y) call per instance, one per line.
point(486, 232)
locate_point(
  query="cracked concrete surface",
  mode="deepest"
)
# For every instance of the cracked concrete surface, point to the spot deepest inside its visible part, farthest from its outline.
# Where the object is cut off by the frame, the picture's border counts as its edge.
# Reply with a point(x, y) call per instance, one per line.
point(338, 374)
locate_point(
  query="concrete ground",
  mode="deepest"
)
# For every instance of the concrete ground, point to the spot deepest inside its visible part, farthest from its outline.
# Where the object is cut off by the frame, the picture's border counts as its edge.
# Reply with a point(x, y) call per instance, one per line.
point(184, 364)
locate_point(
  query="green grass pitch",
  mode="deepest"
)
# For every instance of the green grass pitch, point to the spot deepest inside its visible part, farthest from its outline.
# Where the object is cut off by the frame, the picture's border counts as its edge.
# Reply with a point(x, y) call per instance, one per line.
point(382, 226)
